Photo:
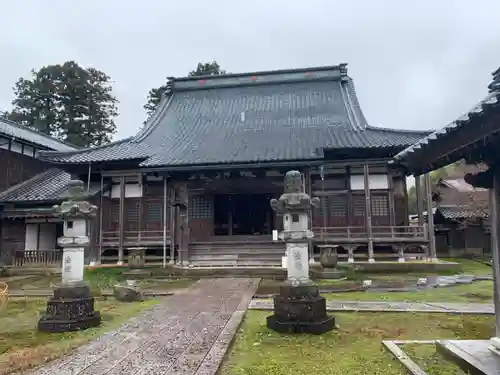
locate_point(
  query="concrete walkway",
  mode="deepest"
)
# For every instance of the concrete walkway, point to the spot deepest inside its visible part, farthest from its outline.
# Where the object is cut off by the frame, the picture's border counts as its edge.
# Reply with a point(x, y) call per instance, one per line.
point(382, 306)
point(186, 334)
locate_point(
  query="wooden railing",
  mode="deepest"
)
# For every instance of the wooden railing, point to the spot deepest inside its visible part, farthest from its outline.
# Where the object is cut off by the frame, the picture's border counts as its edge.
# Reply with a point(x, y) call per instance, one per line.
point(38, 258)
point(380, 233)
point(151, 236)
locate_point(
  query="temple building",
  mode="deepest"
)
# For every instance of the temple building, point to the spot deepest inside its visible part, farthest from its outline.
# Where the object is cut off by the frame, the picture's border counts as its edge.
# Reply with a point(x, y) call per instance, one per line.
point(474, 138)
point(19, 147)
point(193, 186)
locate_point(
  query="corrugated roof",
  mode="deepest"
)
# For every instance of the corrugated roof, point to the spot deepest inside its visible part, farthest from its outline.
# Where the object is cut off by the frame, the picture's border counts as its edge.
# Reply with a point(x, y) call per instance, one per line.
point(491, 100)
point(23, 133)
point(47, 186)
point(252, 117)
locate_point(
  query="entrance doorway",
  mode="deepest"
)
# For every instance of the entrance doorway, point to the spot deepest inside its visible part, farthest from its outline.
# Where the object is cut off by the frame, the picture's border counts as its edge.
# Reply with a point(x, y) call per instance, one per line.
point(242, 214)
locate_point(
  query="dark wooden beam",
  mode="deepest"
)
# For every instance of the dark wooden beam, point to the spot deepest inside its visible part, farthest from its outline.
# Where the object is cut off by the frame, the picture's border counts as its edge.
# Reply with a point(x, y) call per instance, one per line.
point(450, 147)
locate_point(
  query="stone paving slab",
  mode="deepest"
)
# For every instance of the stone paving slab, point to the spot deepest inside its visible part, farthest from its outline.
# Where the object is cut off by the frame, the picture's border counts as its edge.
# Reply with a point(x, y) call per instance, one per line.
point(186, 334)
point(382, 306)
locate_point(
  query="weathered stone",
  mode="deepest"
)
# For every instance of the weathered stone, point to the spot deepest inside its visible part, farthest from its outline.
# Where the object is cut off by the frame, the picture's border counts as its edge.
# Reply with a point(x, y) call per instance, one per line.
point(72, 306)
point(70, 309)
point(128, 293)
point(298, 307)
point(136, 257)
point(329, 257)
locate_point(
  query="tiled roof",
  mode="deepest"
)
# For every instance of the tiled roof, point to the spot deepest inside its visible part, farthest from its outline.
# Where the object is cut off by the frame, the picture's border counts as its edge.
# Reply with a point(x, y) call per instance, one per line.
point(491, 100)
point(47, 186)
point(458, 212)
point(252, 117)
point(23, 133)
point(460, 185)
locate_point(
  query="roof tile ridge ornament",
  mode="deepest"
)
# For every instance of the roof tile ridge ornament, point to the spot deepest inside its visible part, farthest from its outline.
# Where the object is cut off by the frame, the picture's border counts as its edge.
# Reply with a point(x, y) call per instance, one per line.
point(75, 206)
point(494, 86)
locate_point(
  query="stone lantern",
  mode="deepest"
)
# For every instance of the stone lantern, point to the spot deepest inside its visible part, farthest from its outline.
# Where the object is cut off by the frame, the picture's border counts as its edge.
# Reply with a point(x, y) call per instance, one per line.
point(298, 307)
point(71, 308)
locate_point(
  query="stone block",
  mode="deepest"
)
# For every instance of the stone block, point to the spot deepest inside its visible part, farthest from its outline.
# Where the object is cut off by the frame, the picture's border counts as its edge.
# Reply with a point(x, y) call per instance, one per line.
point(70, 309)
point(127, 293)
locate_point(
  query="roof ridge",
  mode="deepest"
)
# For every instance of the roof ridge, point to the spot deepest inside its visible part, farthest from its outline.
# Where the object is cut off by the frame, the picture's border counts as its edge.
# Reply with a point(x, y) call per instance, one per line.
point(341, 67)
point(83, 150)
point(28, 181)
point(274, 77)
point(27, 128)
point(423, 132)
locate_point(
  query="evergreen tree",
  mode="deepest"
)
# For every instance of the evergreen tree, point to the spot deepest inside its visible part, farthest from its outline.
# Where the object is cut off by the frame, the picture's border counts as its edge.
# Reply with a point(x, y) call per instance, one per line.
point(202, 69)
point(68, 102)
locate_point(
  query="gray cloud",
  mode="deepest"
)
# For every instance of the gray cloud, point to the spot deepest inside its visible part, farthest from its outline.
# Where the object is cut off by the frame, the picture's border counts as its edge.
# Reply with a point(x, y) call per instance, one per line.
point(416, 65)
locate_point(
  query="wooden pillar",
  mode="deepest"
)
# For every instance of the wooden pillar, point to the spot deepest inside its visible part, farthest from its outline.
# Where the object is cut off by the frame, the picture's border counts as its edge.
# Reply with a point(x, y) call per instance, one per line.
point(140, 222)
point(121, 220)
point(420, 201)
point(392, 211)
point(495, 252)
point(171, 199)
point(430, 218)
point(101, 217)
point(164, 263)
point(183, 223)
point(368, 213)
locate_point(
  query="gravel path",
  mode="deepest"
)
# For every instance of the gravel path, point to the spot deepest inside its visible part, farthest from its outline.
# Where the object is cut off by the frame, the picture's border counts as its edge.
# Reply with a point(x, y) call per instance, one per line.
point(185, 334)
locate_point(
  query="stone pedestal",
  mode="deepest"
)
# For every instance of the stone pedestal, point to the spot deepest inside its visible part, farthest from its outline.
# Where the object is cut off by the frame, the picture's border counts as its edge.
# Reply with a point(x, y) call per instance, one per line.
point(72, 307)
point(298, 308)
point(329, 261)
point(136, 263)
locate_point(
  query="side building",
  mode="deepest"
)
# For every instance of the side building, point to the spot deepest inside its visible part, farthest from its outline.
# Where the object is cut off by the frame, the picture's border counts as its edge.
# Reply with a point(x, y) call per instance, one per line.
point(19, 147)
point(193, 187)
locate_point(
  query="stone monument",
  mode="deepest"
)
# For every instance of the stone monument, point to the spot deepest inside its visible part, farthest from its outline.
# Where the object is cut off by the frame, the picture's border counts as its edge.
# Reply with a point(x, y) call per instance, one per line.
point(136, 263)
point(298, 307)
point(329, 260)
point(71, 308)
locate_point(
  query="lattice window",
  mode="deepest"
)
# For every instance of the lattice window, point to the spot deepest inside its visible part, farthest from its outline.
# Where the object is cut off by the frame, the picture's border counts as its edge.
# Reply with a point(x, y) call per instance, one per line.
point(338, 206)
point(322, 209)
point(380, 205)
point(200, 207)
point(115, 212)
point(155, 211)
point(133, 211)
point(358, 205)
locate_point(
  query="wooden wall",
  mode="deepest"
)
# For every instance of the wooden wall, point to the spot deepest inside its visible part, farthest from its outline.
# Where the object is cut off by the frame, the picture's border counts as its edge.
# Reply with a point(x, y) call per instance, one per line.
point(12, 239)
point(17, 168)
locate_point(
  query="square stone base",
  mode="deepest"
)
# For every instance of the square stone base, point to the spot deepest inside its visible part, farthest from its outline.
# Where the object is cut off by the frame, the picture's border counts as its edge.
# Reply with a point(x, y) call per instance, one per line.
point(317, 327)
point(300, 309)
point(70, 309)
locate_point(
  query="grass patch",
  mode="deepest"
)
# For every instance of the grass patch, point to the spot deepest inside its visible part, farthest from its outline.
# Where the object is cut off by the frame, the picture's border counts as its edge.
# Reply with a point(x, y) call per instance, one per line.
point(430, 361)
point(23, 347)
point(472, 267)
point(354, 349)
point(98, 279)
point(477, 292)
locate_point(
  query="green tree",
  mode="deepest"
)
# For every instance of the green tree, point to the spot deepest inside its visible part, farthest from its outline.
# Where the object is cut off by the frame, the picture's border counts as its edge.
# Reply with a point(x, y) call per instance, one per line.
point(202, 69)
point(436, 175)
point(68, 102)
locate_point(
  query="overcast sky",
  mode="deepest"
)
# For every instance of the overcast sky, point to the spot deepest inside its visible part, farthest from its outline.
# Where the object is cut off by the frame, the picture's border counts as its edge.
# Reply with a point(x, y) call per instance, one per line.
point(415, 64)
